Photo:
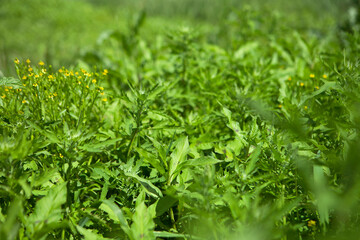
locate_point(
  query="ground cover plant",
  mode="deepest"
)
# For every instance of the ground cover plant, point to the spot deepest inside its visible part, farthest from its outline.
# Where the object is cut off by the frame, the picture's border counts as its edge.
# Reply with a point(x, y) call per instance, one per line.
point(248, 132)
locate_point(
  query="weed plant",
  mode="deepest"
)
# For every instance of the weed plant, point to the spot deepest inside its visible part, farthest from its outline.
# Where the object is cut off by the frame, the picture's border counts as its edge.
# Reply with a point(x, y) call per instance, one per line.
point(180, 138)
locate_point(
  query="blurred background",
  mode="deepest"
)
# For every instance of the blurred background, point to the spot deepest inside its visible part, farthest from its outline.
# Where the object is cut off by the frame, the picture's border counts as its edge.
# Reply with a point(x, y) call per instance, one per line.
point(59, 32)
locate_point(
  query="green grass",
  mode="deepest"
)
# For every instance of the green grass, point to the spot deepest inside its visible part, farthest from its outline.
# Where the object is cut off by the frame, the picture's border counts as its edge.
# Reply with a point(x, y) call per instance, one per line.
point(176, 126)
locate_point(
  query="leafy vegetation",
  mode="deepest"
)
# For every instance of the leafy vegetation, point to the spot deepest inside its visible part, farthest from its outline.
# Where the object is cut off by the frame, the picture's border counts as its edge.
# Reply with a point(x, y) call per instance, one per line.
point(248, 131)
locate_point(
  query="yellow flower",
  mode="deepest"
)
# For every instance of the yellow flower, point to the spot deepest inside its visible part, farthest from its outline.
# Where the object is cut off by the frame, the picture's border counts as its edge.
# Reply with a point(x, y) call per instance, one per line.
point(67, 74)
point(79, 82)
point(6, 90)
point(105, 72)
point(10, 87)
point(30, 69)
point(102, 94)
point(35, 84)
point(36, 76)
point(93, 81)
point(50, 77)
point(41, 63)
point(101, 88)
point(311, 223)
point(19, 89)
point(76, 73)
point(3, 96)
point(31, 74)
point(104, 99)
point(60, 155)
point(289, 78)
point(41, 74)
point(60, 70)
point(324, 76)
point(317, 87)
point(301, 84)
point(280, 106)
point(24, 77)
point(43, 70)
point(24, 85)
point(87, 86)
point(23, 101)
point(306, 107)
point(312, 75)
point(55, 94)
point(28, 61)
point(16, 61)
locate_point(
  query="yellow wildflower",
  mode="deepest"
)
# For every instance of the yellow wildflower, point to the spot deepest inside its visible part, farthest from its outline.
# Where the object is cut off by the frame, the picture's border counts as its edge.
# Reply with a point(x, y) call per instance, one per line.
point(101, 88)
point(24, 77)
point(311, 223)
point(30, 69)
point(36, 76)
point(35, 84)
point(50, 77)
point(289, 78)
point(6, 90)
point(79, 82)
point(28, 61)
point(60, 70)
point(306, 107)
point(16, 61)
point(55, 94)
point(10, 87)
point(301, 84)
point(24, 85)
point(104, 99)
point(87, 86)
point(312, 75)
point(31, 74)
point(93, 81)
point(3, 96)
point(43, 70)
point(317, 87)
point(280, 106)
point(41, 63)
point(60, 155)
point(102, 93)
point(105, 72)
point(67, 74)
point(324, 76)
point(23, 101)
point(19, 89)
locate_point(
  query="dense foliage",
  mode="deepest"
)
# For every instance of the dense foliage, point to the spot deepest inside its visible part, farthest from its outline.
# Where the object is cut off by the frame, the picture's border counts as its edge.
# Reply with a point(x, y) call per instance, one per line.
point(251, 132)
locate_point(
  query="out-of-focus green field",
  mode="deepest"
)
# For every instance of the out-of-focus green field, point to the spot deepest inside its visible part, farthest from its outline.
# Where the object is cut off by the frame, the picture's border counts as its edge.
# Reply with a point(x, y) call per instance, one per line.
point(163, 119)
point(60, 31)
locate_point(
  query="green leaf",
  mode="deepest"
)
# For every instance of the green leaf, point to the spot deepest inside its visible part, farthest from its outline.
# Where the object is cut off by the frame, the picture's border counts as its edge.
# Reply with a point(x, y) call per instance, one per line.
point(179, 154)
point(150, 188)
point(169, 235)
point(115, 214)
point(164, 204)
point(143, 224)
point(48, 209)
point(88, 234)
point(254, 157)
